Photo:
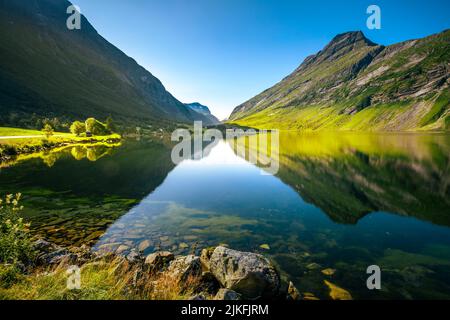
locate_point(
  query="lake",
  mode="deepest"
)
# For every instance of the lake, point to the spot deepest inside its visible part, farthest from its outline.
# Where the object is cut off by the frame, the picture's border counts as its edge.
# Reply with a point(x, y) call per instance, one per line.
point(339, 203)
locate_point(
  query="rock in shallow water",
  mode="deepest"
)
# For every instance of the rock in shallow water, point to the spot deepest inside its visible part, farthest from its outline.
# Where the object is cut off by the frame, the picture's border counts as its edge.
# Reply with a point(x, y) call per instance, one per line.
point(249, 274)
point(329, 271)
point(337, 293)
point(122, 248)
point(144, 245)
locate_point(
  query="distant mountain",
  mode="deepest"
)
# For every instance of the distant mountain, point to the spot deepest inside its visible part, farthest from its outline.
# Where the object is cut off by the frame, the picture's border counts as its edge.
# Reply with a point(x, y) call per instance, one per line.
point(47, 70)
point(203, 110)
point(355, 84)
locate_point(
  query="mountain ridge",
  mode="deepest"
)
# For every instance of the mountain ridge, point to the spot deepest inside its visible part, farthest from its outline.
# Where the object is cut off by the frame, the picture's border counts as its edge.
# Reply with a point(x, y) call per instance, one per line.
point(355, 84)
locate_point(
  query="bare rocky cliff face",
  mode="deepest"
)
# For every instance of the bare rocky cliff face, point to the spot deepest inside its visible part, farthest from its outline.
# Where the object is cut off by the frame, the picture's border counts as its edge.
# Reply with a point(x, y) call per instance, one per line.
point(352, 73)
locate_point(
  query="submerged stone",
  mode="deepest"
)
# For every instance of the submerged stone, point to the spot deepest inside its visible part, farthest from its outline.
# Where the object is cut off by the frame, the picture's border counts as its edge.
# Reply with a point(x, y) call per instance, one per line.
point(144, 245)
point(122, 248)
point(313, 266)
point(328, 271)
point(337, 293)
point(183, 245)
point(309, 296)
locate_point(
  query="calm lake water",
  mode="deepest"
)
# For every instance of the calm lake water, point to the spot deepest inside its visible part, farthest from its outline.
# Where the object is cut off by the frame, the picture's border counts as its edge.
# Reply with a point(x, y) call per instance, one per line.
point(342, 202)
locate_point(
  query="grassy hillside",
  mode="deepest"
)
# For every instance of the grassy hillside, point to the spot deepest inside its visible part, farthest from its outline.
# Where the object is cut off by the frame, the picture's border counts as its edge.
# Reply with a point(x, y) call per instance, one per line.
point(354, 84)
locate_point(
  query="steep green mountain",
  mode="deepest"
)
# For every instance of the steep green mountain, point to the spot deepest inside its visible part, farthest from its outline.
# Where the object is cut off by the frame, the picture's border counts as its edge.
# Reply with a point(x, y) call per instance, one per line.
point(203, 110)
point(47, 70)
point(355, 84)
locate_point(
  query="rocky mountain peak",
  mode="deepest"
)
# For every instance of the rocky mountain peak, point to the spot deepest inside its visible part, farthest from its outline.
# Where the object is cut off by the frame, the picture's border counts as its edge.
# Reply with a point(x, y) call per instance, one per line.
point(350, 38)
point(345, 42)
point(340, 45)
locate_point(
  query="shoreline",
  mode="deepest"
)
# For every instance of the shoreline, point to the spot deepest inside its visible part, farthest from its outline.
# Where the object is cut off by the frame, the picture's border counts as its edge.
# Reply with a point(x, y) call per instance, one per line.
point(160, 275)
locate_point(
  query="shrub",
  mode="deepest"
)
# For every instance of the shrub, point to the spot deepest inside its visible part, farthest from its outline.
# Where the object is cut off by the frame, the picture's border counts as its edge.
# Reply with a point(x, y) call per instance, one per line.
point(77, 128)
point(15, 243)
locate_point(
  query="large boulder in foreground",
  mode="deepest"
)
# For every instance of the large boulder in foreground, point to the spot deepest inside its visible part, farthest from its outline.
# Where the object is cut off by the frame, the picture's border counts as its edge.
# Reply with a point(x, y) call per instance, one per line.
point(249, 274)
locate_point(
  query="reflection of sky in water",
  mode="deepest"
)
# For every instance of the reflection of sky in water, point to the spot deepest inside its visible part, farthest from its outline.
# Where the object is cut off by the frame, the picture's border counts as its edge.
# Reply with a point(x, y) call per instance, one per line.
point(225, 184)
point(222, 181)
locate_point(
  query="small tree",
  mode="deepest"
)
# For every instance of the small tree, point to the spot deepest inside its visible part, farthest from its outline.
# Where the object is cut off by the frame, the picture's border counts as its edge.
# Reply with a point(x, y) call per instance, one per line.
point(47, 130)
point(77, 128)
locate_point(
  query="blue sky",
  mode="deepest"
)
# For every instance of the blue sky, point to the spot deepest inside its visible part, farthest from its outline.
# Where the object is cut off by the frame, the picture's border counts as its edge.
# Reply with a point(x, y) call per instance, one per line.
point(223, 52)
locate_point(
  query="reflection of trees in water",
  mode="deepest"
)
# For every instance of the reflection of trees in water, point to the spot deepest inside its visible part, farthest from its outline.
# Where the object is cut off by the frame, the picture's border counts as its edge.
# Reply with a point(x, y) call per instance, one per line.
point(50, 159)
point(132, 170)
point(98, 191)
point(78, 152)
point(92, 153)
point(351, 175)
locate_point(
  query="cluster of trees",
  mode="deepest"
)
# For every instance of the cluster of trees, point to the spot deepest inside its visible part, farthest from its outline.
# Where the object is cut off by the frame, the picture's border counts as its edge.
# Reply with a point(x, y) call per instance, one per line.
point(90, 127)
point(93, 127)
